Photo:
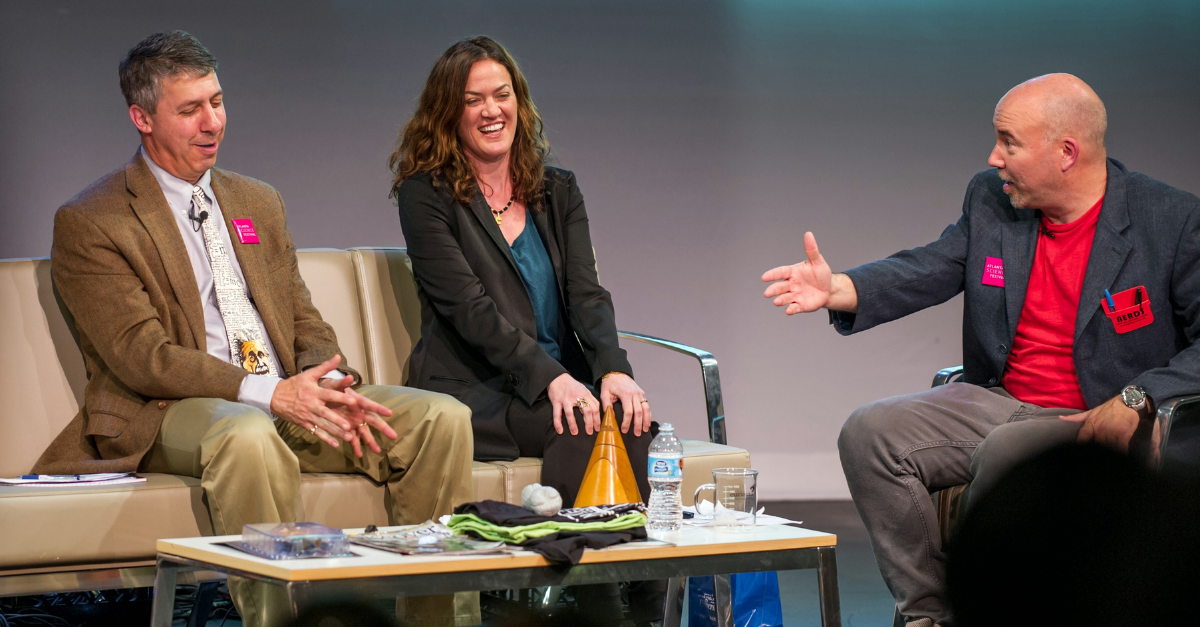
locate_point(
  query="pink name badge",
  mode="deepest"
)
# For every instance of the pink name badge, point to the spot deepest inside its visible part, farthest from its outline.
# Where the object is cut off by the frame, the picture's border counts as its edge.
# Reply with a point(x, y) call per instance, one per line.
point(993, 272)
point(246, 234)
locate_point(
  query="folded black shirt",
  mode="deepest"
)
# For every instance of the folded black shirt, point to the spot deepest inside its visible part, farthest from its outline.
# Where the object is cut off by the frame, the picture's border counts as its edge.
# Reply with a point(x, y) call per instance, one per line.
point(564, 547)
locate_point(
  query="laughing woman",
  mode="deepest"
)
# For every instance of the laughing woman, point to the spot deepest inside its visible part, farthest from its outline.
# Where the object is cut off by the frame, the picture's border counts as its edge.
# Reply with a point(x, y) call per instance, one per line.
point(514, 322)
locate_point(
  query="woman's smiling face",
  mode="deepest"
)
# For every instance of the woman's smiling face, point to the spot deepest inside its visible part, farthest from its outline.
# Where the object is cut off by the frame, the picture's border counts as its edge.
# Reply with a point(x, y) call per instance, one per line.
point(489, 118)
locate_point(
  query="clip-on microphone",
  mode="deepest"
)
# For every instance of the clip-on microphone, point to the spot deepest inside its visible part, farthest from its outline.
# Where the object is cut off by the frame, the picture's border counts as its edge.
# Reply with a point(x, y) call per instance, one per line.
point(197, 222)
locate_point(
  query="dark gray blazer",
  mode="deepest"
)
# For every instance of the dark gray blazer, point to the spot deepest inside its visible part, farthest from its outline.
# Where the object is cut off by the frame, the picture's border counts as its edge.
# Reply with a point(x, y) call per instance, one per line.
point(478, 329)
point(1148, 234)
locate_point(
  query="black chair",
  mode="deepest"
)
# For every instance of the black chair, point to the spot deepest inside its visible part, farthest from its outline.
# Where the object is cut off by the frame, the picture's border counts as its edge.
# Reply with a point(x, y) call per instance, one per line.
point(1177, 420)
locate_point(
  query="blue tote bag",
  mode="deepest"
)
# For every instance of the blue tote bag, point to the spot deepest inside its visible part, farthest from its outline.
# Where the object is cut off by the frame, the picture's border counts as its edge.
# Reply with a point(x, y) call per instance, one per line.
point(755, 601)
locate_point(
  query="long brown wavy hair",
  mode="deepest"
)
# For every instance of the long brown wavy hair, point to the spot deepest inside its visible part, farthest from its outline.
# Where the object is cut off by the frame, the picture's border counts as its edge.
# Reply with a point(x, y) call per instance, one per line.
point(429, 141)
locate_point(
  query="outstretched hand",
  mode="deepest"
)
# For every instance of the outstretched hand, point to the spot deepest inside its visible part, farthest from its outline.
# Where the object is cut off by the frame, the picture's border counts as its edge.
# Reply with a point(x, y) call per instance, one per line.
point(802, 287)
point(329, 409)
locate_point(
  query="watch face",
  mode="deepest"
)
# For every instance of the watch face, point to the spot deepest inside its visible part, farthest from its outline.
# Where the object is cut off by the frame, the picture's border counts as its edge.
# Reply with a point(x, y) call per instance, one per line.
point(1133, 396)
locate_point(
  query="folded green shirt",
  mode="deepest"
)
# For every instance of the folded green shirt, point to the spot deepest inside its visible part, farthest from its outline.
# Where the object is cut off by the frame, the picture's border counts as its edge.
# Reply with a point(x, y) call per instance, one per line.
point(519, 534)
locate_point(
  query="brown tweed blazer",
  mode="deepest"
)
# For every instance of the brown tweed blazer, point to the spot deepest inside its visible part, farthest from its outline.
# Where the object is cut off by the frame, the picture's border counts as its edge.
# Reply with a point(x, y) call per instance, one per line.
point(121, 268)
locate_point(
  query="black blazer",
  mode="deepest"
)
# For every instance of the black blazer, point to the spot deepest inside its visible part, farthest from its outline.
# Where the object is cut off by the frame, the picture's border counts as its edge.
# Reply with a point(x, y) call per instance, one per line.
point(1148, 235)
point(478, 331)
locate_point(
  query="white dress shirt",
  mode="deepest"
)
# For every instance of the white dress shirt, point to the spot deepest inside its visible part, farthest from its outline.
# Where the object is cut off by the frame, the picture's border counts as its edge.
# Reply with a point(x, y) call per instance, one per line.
point(256, 390)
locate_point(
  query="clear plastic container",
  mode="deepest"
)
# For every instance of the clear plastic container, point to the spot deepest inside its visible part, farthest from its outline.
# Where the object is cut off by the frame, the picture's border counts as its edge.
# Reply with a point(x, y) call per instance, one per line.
point(665, 511)
point(294, 540)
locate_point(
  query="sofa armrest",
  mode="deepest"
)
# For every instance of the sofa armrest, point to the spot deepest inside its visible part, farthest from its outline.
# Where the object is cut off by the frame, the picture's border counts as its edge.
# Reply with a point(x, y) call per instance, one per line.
point(708, 371)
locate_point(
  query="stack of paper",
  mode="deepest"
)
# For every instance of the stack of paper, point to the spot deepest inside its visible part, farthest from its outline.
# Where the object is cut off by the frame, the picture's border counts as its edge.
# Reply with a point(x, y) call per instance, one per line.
point(104, 478)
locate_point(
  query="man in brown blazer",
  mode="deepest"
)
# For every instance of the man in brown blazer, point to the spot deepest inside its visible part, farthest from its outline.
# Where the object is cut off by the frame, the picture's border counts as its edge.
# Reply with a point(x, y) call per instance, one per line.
point(204, 353)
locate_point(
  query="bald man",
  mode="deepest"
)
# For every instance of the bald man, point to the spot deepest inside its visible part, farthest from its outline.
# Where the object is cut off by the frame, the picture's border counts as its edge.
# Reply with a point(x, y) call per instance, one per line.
point(1082, 306)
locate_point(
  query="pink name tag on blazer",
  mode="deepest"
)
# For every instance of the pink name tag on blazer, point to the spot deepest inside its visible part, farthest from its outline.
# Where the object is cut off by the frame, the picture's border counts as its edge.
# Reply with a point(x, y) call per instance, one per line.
point(246, 234)
point(993, 271)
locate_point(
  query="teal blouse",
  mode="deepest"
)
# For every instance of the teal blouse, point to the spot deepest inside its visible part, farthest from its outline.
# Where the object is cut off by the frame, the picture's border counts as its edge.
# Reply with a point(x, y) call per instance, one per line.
point(538, 275)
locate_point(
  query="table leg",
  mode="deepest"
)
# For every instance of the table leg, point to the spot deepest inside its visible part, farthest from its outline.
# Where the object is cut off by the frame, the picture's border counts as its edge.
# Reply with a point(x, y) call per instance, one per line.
point(673, 606)
point(723, 600)
point(298, 596)
point(827, 584)
point(163, 608)
point(548, 598)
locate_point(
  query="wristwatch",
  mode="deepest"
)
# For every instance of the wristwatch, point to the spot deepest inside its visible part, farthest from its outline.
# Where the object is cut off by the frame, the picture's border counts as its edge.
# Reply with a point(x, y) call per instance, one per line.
point(1135, 398)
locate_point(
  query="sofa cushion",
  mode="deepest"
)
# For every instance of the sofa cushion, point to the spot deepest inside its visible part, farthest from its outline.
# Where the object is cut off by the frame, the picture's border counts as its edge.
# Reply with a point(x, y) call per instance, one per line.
point(391, 311)
point(44, 526)
point(48, 526)
point(488, 480)
point(329, 275)
point(519, 473)
point(699, 459)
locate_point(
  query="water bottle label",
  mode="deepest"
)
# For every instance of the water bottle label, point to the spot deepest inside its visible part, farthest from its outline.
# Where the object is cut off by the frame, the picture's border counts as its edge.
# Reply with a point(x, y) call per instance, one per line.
point(665, 468)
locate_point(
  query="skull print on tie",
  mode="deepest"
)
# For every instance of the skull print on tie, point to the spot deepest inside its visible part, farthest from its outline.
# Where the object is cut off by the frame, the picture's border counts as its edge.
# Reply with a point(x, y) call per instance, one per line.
point(246, 346)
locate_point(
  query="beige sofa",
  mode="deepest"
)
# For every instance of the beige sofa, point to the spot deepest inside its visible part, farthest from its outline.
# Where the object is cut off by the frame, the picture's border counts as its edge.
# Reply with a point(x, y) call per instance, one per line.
point(62, 539)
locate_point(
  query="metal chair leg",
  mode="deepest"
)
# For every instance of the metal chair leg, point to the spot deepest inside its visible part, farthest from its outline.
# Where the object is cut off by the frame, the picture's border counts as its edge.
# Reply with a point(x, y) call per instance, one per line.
point(673, 603)
point(827, 584)
point(723, 600)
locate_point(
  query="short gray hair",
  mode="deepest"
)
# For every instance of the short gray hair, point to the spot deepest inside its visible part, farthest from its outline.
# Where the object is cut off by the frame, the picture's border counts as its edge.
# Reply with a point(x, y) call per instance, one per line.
point(1082, 115)
point(158, 56)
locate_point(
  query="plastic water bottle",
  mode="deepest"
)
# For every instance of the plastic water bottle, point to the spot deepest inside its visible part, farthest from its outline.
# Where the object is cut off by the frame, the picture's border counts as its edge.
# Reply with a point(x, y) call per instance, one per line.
point(666, 476)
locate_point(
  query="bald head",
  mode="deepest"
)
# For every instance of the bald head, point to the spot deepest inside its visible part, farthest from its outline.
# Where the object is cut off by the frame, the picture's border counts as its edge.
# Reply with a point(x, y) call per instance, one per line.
point(1067, 106)
point(1050, 146)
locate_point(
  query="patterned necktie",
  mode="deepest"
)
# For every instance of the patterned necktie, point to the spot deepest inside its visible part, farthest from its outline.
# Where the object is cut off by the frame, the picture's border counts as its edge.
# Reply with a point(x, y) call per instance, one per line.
point(246, 346)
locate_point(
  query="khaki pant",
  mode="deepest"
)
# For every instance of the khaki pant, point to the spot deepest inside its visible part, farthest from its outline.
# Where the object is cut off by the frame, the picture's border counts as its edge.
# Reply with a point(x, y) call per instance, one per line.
point(249, 468)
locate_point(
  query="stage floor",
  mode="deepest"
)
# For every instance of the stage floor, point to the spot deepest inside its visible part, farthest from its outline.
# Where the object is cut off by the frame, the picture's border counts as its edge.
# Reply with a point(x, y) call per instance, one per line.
point(865, 598)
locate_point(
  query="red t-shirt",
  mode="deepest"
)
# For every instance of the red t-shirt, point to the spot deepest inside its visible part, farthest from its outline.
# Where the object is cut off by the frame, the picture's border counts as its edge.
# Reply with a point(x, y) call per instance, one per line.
point(1041, 364)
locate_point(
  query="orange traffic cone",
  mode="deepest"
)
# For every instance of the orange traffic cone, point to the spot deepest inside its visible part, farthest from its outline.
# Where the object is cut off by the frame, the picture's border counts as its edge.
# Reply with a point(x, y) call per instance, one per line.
point(609, 478)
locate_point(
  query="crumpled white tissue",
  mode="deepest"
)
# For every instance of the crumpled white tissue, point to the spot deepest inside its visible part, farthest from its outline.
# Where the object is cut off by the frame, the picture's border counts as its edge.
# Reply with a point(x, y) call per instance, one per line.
point(541, 499)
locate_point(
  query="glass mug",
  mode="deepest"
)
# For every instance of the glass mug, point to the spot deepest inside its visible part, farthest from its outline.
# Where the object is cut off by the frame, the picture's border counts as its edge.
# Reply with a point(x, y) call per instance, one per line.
point(735, 499)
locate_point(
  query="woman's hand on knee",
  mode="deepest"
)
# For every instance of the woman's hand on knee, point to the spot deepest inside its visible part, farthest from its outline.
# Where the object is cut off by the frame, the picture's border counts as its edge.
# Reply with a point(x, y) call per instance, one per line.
point(619, 386)
point(565, 394)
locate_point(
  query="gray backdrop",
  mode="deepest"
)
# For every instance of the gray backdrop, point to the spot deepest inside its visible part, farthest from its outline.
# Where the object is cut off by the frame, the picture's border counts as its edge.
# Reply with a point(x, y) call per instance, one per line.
point(707, 137)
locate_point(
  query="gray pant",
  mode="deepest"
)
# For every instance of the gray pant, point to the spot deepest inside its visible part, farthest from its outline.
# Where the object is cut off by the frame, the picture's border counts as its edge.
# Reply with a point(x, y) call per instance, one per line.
point(898, 450)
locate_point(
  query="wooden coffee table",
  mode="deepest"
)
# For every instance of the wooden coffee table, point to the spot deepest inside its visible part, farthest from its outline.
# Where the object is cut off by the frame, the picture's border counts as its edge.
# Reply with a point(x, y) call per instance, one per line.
point(380, 574)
